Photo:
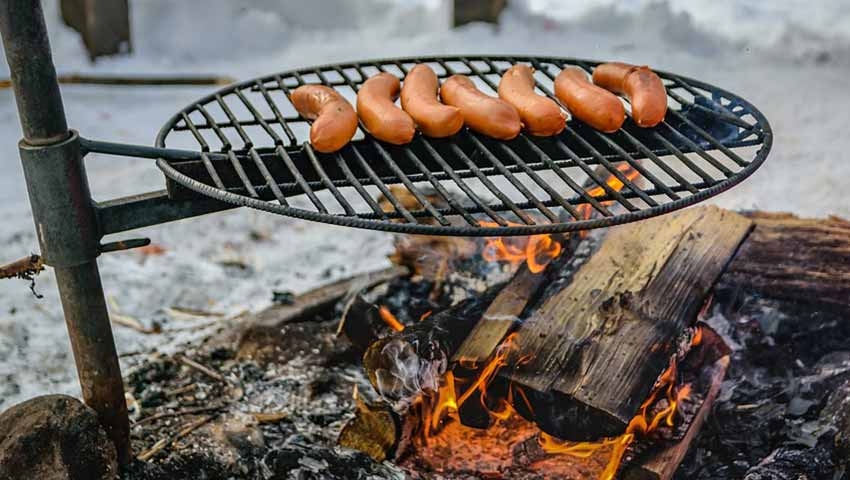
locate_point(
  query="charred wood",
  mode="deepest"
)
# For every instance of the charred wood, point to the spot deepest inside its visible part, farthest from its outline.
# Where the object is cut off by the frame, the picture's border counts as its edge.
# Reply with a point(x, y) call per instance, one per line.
point(593, 351)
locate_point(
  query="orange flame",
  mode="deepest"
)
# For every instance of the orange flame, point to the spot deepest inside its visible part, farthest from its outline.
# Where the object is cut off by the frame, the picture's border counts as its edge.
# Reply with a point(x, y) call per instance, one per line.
point(585, 210)
point(641, 424)
point(536, 251)
point(697, 338)
point(390, 319)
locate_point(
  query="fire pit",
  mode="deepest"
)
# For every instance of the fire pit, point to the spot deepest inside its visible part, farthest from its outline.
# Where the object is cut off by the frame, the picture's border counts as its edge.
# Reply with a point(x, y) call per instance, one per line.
point(245, 146)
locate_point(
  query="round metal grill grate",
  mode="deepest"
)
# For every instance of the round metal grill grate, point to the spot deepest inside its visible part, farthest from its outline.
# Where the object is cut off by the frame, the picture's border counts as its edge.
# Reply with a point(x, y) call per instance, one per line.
point(255, 153)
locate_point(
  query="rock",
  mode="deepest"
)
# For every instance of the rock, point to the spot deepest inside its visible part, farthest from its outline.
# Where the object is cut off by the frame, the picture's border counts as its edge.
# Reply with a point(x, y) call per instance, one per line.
point(54, 437)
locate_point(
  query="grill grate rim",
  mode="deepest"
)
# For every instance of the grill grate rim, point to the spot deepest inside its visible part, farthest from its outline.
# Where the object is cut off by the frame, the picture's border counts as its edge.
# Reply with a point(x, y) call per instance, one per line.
point(254, 153)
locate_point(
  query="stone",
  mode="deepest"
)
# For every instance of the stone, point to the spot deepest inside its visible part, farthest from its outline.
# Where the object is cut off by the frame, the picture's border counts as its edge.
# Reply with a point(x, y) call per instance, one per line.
point(54, 437)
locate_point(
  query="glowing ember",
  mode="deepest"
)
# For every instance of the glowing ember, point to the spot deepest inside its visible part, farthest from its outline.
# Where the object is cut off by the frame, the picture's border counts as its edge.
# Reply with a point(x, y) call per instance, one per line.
point(390, 319)
point(536, 251)
point(586, 210)
point(642, 424)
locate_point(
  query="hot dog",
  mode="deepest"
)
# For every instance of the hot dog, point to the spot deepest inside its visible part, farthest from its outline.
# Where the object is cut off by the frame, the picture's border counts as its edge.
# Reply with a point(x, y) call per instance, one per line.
point(485, 114)
point(540, 115)
point(593, 105)
point(334, 120)
point(419, 99)
point(376, 107)
point(644, 88)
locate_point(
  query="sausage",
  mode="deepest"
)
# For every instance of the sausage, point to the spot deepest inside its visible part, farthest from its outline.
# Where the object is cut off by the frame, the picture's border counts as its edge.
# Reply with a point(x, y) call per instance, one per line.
point(376, 107)
point(593, 105)
point(485, 114)
point(419, 99)
point(540, 115)
point(644, 88)
point(334, 119)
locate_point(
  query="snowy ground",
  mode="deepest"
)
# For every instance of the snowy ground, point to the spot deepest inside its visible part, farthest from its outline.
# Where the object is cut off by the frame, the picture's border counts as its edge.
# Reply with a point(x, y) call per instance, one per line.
point(790, 58)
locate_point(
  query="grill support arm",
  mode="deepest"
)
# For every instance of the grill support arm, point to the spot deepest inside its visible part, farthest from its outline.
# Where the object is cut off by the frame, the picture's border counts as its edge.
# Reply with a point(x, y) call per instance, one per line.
point(64, 213)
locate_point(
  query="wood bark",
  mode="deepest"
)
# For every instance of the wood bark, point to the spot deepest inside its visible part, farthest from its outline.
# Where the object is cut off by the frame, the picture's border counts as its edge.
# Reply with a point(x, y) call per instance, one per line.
point(592, 351)
point(803, 261)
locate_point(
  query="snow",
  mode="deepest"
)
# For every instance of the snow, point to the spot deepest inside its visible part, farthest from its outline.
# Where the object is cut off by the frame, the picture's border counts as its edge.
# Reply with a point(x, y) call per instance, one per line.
point(790, 58)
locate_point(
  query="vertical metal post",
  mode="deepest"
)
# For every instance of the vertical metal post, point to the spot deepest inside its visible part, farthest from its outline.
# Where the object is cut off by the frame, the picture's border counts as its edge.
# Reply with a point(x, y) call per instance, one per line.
point(63, 213)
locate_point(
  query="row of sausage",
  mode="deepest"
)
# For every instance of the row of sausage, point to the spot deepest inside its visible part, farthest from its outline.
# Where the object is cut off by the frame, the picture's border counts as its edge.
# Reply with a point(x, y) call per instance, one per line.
point(442, 110)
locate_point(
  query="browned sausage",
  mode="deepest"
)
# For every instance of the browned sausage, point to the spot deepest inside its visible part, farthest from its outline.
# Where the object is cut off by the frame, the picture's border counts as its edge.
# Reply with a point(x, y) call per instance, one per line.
point(594, 106)
point(376, 107)
point(334, 119)
point(485, 114)
point(419, 99)
point(540, 115)
point(644, 88)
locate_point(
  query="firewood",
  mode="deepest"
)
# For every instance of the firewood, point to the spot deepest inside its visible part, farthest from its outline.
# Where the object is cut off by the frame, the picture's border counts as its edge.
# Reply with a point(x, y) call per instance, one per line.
point(403, 365)
point(786, 258)
point(377, 431)
point(592, 351)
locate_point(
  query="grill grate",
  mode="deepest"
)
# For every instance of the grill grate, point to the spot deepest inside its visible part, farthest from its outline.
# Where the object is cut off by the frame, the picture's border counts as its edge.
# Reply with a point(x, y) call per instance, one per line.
point(253, 151)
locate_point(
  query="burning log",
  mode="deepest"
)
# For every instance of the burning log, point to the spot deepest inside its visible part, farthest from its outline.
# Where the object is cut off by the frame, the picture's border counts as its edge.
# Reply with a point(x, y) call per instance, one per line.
point(403, 365)
point(592, 352)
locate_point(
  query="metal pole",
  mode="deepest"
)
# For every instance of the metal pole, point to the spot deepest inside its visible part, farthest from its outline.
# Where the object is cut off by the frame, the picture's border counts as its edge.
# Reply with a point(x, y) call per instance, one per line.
point(64, 214)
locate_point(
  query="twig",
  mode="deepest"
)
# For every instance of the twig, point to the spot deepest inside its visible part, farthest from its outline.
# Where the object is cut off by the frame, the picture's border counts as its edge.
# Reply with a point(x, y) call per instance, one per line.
point(269, 417)
point(201, 368)
point(164, 442)
point(177, 413)
point(26, 268)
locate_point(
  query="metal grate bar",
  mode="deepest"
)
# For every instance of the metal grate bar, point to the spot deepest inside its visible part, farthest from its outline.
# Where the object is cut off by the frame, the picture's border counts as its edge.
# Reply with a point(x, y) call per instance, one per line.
point(684, 158)
point(277, 114)
point(305, 187)
point(244, 123)
point(259, 118)
point(612, 169)
point(519, 212)
point(566, 178)
point(308, 149)
point(511, 178)
point(658, 162)
point(391, 163)
point(637, 166)
point(241, 173)
point(204, 149)
point(225, 141)
point(711, 140)
point(241, 131)
point(272, 183)
point(376, 180)
point(699, 151)
point(725, 115)
point(349, 176)
point(462, 185)
point(679, 82)
point(616, 195)
point(553, 194)
point(440, 189)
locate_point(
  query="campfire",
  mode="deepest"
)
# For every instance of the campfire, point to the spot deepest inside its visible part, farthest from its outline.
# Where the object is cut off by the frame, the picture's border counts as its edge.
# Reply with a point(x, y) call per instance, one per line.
point(456, 383)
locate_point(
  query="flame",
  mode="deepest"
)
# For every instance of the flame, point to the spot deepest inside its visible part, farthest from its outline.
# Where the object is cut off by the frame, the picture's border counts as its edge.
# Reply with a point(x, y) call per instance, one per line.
point(642, 424)
point(585, 210)
point(536, 251)
point(697, 338)
point(390, 319)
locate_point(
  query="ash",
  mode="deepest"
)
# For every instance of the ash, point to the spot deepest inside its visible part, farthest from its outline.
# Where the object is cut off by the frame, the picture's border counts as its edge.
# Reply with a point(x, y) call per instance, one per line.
point(782, 412)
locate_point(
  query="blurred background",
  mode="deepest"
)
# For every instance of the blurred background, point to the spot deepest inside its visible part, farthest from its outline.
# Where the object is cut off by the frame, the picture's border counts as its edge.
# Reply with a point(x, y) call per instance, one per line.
point(790, 58)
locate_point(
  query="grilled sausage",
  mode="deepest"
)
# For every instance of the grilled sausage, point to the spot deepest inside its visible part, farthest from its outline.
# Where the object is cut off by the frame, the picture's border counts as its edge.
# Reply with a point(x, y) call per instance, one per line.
point(334, 119)
point(644, 88)
point(540, 115)
point(419, 99)
point(593, 105)
point(485, 114)
point(376, 107)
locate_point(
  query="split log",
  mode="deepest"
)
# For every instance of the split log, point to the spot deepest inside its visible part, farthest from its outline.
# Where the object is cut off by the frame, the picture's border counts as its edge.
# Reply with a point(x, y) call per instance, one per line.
point(802, 261)
point(378, 431)
point(593, 350)
point(404, 365)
